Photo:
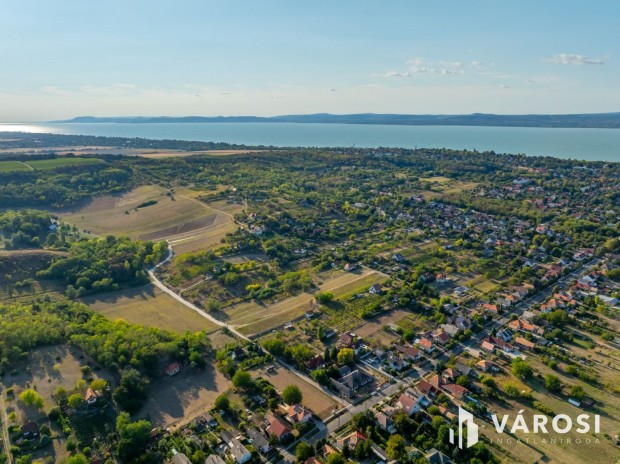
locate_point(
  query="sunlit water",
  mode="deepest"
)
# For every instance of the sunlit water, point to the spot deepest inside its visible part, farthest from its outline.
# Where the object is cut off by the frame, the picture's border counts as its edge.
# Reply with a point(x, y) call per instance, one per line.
point(586, 144)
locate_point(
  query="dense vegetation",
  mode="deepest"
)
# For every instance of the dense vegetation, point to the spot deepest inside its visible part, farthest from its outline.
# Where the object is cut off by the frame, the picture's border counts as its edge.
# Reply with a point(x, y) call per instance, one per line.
point(32, 228)
point(115, 345)
point(105, 263)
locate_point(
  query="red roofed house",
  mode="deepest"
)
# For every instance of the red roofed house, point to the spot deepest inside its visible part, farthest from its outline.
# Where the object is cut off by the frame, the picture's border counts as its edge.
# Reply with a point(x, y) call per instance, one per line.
point(298, 414)
point(278, 428)
point(351, 441)
point(456, 390)
point(172, 369)
point(441, 337)
point(524, 343)
point(408, 404)
point(91, 396)
point(426, 345)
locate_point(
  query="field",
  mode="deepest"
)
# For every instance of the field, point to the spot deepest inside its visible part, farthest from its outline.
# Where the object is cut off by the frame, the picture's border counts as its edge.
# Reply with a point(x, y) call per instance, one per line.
point(46, 369)
point(149, 306)
point(174, 401)
point(252, 318)
point(316, 400)
point(6, 166)
point(149, 213)
point(9, 166)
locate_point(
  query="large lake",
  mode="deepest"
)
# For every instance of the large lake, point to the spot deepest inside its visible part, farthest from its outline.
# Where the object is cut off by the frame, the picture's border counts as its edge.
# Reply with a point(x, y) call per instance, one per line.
point(585, 144)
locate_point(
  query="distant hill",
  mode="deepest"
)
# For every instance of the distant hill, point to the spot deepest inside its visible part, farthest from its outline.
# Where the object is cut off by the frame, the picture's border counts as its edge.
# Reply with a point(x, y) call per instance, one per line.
point(594, 120)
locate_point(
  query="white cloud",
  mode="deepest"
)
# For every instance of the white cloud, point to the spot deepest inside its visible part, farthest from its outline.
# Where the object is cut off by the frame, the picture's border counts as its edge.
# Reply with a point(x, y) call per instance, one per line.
point(451, 64)
point(331, 89)
point(576, 60)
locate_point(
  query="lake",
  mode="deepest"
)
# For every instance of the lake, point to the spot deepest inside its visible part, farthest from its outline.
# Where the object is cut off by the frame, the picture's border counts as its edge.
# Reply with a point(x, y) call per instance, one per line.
point(585, 144)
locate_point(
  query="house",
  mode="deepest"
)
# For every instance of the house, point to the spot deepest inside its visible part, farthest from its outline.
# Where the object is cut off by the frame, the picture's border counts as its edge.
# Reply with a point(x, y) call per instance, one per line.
point(375, 289)
point(441, 337)
point(258, 441)
point(91, 396)
point(173, 369)
point(435, 456)
point(394, 362)
point(30, 430)
point(348, 384)
point(426, 345)
point(210, 421)
point(455, 390)
point(460, 291)
point(524, 343)
point(409, 403)
point(312, 460)
point(525, 326)
point(349, 267)
point(385, 422)
point(239, 452)
point(487, 366)
point(351, 441)
point(427, 388)
point(298, 414)
point(278, 428)
point(214, 459)
point(487, 346)
point(350, 340)
point(397, 257)
point(179, 458)
point(450, 329)
point(450, 374)
point(491, 307)
point(608, 301)
point(409, 352)
point(315, 363)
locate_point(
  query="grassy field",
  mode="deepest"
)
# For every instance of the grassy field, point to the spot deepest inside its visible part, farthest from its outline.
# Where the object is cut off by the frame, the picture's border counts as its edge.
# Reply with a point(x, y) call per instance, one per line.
point(253, 318)
point(316, 400)
point(45, 370)
point(10, 166)
point(62, 162)
point(186, 222)
point(149, 306)
point(174, 401)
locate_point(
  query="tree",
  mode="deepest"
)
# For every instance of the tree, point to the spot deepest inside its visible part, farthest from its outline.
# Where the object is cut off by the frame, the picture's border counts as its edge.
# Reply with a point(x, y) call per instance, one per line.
point(303, 452)
point(325, 297)
point(242, 379)
point(553, 383)
point(321, 376)
point(77, 459)
point(396, 447)
point(292, 395)
point(346, 356)
point(222, 403)
point(134, 436)
point(131, 391)
point(336, 458)
point(31, 398)
point(488, 381)
point(521, 369)
point(577, 392)
point(75, 401)
point(99, 385)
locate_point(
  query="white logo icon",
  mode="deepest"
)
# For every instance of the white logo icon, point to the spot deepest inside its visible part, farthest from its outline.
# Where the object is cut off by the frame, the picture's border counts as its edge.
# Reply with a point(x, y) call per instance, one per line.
point(466, 419)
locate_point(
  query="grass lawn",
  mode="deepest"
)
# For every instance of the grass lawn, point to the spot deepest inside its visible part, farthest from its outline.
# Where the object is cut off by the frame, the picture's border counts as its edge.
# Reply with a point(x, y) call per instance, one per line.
point(151, 307)
point(10, 166)
point(62, 162)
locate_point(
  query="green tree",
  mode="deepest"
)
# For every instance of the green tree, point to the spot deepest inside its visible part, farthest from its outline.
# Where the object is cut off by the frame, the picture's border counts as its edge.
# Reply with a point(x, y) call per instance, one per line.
point(553, 383)
point(131, 391)
point(242, 380)
point(303, 452)
point(99, 384)
point(336, 458)
point(292, 395)
point(396, 447)
point(346, 356)
point(75, 401)
point(77, 459)
point(31, 398)
point(222, 402)
point(577, 392)
point(134, 436)
point(521, 369)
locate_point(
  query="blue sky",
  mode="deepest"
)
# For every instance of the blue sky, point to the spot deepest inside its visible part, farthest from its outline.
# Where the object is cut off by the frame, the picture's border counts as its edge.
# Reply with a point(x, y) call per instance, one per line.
point(60, 59)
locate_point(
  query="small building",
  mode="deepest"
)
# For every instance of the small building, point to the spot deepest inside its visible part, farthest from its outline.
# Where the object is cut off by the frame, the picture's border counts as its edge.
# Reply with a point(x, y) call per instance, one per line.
point(30, 430)
point(375, 289)
point(426, 345)
point(278, 428)
point(179, 458)
point(239, 452)
point(259, 441)
point(91, 396)
point(385, 422)
point(350, 441)
point(214, 459)
point(297, 414)
point(435, 456)
point(173, 369)
point(210, 421)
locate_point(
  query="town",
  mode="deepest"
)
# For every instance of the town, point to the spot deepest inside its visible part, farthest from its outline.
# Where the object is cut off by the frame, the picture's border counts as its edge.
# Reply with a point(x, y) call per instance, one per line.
point(309, 306)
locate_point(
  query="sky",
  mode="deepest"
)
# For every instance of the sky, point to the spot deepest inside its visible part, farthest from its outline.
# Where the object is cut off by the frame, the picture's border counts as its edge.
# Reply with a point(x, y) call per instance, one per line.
point(60, 59)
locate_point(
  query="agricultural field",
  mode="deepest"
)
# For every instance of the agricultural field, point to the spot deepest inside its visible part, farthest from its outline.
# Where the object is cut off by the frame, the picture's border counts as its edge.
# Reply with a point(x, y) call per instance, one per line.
point(253, 318)
point(152, 213)
point(149, 306)
point(45, 370)
point(174, 401)
point(313, 398)
point(9, 166)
